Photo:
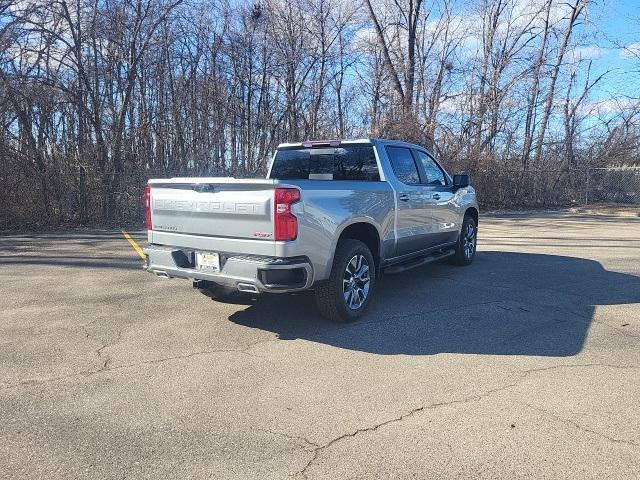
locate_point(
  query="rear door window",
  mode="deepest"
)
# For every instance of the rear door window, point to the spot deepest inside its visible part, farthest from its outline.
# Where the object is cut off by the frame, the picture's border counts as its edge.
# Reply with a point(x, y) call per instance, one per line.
point(349, 162)
point(403, 164)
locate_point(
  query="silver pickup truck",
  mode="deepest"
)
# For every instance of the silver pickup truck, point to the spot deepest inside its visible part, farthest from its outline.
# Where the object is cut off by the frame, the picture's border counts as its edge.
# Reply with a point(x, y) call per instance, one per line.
point(331, 216)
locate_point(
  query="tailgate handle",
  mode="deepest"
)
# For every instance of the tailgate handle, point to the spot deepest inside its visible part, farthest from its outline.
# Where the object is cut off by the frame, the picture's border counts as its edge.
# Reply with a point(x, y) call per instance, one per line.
point(204, 187)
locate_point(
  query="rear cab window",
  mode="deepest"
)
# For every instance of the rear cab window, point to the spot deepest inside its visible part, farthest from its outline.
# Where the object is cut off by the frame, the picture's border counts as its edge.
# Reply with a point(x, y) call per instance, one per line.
point(345, 162)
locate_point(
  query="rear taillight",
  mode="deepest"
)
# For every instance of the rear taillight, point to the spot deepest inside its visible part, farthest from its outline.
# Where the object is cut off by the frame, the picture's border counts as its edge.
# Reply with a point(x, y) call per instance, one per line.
point(285, 222)
point(147, 208)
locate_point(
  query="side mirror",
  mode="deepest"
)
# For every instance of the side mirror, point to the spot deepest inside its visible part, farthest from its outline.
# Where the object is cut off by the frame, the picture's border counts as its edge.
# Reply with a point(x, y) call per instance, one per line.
point(460, 181)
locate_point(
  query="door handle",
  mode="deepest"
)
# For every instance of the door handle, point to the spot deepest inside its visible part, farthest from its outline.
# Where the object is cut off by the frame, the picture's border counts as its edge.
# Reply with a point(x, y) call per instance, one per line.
point(436, 196)
point(404, 197)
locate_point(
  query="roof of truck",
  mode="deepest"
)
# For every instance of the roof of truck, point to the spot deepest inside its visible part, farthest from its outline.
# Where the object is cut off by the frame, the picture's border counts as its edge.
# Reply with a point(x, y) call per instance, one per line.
point(325, 141)
point(337, 141)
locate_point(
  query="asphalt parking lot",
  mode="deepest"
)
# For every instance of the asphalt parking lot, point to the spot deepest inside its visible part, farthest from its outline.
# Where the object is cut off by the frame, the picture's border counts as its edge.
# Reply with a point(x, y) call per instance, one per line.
point(524, 365)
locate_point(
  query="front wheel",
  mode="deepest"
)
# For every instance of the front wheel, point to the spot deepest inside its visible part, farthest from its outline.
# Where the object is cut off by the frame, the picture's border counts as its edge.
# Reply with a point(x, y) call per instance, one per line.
point(345, 296)
point(467, 240)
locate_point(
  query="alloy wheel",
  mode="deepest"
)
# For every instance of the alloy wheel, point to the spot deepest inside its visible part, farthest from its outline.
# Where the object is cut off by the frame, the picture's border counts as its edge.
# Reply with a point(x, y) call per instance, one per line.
point(469, 240)
point(356, 282)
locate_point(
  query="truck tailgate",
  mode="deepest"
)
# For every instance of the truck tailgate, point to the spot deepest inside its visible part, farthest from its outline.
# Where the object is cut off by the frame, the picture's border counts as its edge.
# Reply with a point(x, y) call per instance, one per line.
point(213, 213)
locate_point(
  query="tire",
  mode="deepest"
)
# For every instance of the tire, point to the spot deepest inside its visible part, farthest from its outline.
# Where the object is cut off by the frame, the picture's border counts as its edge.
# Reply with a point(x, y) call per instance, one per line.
point(346, 302)
point(467, 241)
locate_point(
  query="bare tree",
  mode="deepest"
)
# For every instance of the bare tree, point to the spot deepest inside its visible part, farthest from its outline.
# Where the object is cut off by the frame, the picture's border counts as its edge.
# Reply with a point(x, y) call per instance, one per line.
point(576, 9)
point(401, 72)
point(96, 97)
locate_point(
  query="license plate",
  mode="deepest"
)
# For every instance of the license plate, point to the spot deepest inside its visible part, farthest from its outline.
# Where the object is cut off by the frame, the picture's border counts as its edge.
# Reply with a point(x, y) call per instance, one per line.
point(208, 261)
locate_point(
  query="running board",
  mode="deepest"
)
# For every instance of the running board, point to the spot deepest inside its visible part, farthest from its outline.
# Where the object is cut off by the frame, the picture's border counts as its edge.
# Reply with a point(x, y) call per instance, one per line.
point(418, 262)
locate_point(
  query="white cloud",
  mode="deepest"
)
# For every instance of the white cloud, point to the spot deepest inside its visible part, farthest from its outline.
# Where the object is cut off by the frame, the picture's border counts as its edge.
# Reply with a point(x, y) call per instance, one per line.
point(365, 37)
point(591, 52)
point(630, 51)
point(532, 12)
point(610, 106)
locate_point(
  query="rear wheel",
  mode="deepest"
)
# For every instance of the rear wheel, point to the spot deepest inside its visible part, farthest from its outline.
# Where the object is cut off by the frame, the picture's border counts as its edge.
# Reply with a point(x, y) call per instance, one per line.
point(346, 295)
point(467, 240)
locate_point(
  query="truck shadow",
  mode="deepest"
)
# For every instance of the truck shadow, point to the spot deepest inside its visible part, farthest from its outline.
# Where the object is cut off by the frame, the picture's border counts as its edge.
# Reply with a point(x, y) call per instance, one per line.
point(506, 303)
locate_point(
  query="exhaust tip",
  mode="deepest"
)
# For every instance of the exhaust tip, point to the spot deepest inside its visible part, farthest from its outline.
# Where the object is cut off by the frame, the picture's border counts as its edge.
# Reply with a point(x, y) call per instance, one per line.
point(161, 273)
point(247, 287)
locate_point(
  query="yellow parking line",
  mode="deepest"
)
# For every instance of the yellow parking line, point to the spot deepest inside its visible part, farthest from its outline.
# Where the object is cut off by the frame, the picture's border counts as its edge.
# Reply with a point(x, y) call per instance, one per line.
point(133, 243)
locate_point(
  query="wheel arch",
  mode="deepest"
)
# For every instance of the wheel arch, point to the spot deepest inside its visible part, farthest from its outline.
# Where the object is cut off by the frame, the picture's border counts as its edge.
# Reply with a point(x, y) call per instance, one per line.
point(366, 232)
point(473, 213)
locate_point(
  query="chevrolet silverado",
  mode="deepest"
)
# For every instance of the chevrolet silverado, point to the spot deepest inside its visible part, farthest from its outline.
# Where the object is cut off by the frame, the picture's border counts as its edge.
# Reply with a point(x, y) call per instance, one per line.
point(330, 216)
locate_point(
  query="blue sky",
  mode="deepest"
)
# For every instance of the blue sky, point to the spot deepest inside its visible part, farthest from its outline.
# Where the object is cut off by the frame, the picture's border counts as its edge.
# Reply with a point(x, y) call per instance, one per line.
point(610, 26)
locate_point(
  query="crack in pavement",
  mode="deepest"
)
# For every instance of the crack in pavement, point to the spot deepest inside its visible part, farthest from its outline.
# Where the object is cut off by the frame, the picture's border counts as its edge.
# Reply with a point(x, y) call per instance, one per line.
point(472, 398)
point(568, 421)
point(404, 416)
point(105, 344)
point(584, 318)
point(104, 368)
point(318, 333)
point(579, 365)
point(310, 335)
point(286, 435)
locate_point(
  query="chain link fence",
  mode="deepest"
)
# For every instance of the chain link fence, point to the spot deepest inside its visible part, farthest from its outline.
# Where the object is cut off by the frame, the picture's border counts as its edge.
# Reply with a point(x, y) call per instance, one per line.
point(75, 197)
point(504, 190)
point(83, 197)
point(558, 188)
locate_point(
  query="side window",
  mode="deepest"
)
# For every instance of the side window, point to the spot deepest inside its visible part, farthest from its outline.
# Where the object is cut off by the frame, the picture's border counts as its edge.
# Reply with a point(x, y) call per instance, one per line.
point(403, 165)
point(355, 163)
point(434, 174)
